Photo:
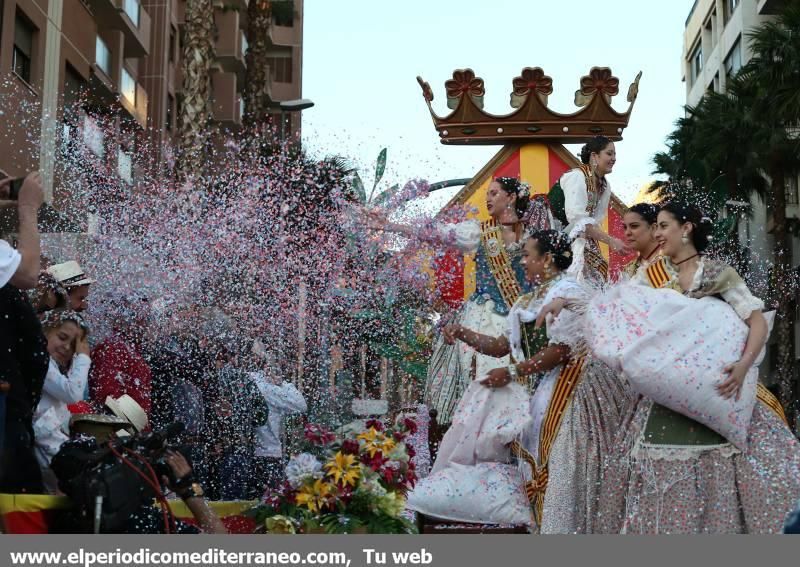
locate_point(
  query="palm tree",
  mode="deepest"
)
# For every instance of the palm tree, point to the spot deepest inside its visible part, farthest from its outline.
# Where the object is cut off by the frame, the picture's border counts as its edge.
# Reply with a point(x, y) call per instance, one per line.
point(774, 73)
point(195, 115)
point(256, 84)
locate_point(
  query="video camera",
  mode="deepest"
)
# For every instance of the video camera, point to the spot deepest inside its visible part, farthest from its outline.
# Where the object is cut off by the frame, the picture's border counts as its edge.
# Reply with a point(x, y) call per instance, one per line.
point(108, 483)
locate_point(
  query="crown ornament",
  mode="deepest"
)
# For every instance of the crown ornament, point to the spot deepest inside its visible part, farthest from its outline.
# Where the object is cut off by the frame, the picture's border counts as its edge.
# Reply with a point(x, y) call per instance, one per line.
point(532, 119)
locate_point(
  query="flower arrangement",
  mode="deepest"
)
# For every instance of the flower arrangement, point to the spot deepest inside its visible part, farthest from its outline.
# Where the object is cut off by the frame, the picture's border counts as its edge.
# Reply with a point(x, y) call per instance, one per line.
point(357, 483)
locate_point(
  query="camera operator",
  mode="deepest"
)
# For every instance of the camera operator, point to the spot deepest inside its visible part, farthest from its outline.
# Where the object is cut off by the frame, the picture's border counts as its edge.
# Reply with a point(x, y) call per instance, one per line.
point(192, 494)
point(23, 349)
point(110, 496)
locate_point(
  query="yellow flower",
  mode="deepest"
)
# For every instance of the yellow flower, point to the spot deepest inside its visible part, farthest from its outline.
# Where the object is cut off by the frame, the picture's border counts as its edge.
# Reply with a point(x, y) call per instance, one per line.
point(315, 496)
point(343, 468)
point(279, 525)
point(369, 435)
point(375, 441)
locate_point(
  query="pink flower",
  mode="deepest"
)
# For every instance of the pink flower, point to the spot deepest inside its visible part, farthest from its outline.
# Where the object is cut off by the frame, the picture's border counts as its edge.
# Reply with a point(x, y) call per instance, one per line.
point(318, 435)
point(350, 447)
point(410, 425)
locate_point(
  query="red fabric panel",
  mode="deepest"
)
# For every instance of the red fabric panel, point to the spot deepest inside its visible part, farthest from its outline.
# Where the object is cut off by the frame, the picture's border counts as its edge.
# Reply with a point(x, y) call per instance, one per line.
point(450, 277)
point(27, 522)
point(510, 168)
point(556, 167)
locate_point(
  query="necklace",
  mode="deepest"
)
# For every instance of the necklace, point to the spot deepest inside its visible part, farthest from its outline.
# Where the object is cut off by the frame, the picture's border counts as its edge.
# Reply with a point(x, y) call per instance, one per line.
point(646, 258)
point(686, 259)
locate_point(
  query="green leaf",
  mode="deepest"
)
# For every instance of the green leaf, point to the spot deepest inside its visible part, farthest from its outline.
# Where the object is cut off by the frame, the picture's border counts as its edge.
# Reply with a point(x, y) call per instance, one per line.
point(380, 168)
point(386, 195)
point(358, 187)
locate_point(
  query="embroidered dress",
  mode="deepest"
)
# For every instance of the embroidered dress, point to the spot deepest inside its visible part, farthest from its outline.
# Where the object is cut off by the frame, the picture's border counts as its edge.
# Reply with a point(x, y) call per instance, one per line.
point(670, 474)
point(499, 282)
point(560, 434)
point(585, 203)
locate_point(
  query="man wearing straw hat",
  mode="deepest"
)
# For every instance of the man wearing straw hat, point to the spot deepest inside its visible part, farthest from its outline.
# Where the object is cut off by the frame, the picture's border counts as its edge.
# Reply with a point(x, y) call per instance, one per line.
point(72, 277)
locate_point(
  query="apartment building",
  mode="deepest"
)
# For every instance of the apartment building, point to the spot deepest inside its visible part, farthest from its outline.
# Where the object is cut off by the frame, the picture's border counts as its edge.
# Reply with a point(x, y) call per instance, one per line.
point(125, 57)
point(715, 47)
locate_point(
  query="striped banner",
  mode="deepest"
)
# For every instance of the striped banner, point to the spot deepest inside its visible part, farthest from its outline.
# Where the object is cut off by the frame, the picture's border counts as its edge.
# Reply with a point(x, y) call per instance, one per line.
point(499, 262)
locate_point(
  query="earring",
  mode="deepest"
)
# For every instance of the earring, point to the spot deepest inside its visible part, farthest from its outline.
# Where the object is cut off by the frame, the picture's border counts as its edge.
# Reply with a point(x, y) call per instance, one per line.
point(685, 239)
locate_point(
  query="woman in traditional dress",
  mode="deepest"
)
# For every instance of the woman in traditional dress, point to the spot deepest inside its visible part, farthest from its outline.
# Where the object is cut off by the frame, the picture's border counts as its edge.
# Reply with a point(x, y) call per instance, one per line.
point(669, 473)
point(639, 223)
point(573, 413)
point(499, 282)
point(583, 207)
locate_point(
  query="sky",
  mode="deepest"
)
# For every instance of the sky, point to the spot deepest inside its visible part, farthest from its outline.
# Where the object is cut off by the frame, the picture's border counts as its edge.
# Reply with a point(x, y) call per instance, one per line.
point(361, 59)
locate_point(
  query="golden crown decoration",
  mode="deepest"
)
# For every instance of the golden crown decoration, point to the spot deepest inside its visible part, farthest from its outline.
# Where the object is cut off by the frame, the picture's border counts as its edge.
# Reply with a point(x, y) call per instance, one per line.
point(532, 119)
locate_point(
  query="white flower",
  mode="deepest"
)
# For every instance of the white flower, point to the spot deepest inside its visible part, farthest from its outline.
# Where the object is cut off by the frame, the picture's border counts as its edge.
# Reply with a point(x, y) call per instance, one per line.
point(301, 468)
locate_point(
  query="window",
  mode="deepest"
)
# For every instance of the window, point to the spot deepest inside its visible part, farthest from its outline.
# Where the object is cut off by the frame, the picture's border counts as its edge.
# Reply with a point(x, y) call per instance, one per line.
point(170, 105)
point(792, 198)
point(74, 86)
point(283, 13)
point(23, 48)
point(172, 46)
point(131, 8)
point(102, 56)
point(696, 62)
point(730, 8)
point(710, 30)
point(280, 68)
point(125, 166)
point(733, 62)
point(128, 87)
point(93, 136)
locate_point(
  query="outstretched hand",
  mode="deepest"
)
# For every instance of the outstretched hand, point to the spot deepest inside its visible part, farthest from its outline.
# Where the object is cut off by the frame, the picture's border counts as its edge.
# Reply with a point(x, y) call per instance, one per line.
point(732, 386)
point(497, 378)
point(450, 333)
point(554, 308)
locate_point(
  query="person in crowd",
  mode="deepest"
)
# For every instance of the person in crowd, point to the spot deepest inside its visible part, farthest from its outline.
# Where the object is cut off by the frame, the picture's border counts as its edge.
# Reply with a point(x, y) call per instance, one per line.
point(48, 294)
point(179, 373)
point(239, 408)
point(67, 376)
point(23, 348)
point(557, 408)
point(639, 224)
point(282, 399)
point(72, 277)
point(118, 366)
point(669, 473)
point(499, 276)
point(580, 202)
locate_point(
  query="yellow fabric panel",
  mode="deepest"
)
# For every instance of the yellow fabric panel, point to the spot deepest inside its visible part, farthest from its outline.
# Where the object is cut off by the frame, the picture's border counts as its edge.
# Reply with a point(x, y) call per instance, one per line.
point(534, 167)
point(476, 201)
point(222, 509)
point(603, 246)
point(31, 503)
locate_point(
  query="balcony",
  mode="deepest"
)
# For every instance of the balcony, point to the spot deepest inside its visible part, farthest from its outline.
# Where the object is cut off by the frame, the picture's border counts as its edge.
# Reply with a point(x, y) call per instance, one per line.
point(230, 41)
point(283, 36)
point(770, 7)
point(226, 103)
point(133, 98)
point(284, 91)
point(130, 18)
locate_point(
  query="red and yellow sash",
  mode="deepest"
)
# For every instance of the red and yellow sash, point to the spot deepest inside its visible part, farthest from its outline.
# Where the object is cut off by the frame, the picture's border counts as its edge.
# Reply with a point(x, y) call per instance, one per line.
point(565, 386)
point(658, 277)
point(499, 262)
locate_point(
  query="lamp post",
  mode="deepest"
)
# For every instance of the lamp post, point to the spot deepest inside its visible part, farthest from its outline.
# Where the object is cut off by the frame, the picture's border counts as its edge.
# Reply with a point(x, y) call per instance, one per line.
point(297, 105)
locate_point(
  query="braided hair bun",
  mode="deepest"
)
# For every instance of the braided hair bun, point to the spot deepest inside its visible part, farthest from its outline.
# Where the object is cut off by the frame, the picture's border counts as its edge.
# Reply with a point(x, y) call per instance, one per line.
point(556, 243)
point(702, 226)
point(521, 190)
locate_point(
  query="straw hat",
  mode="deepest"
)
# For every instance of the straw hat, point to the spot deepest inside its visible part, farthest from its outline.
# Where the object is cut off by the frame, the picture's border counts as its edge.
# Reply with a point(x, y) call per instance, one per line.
point(69, 274)
point(100, 426)
point(126, 408)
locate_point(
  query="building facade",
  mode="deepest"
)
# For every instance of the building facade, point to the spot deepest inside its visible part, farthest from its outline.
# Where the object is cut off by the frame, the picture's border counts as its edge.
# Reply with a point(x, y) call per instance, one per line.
point(715, 47)
point(124, 58)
